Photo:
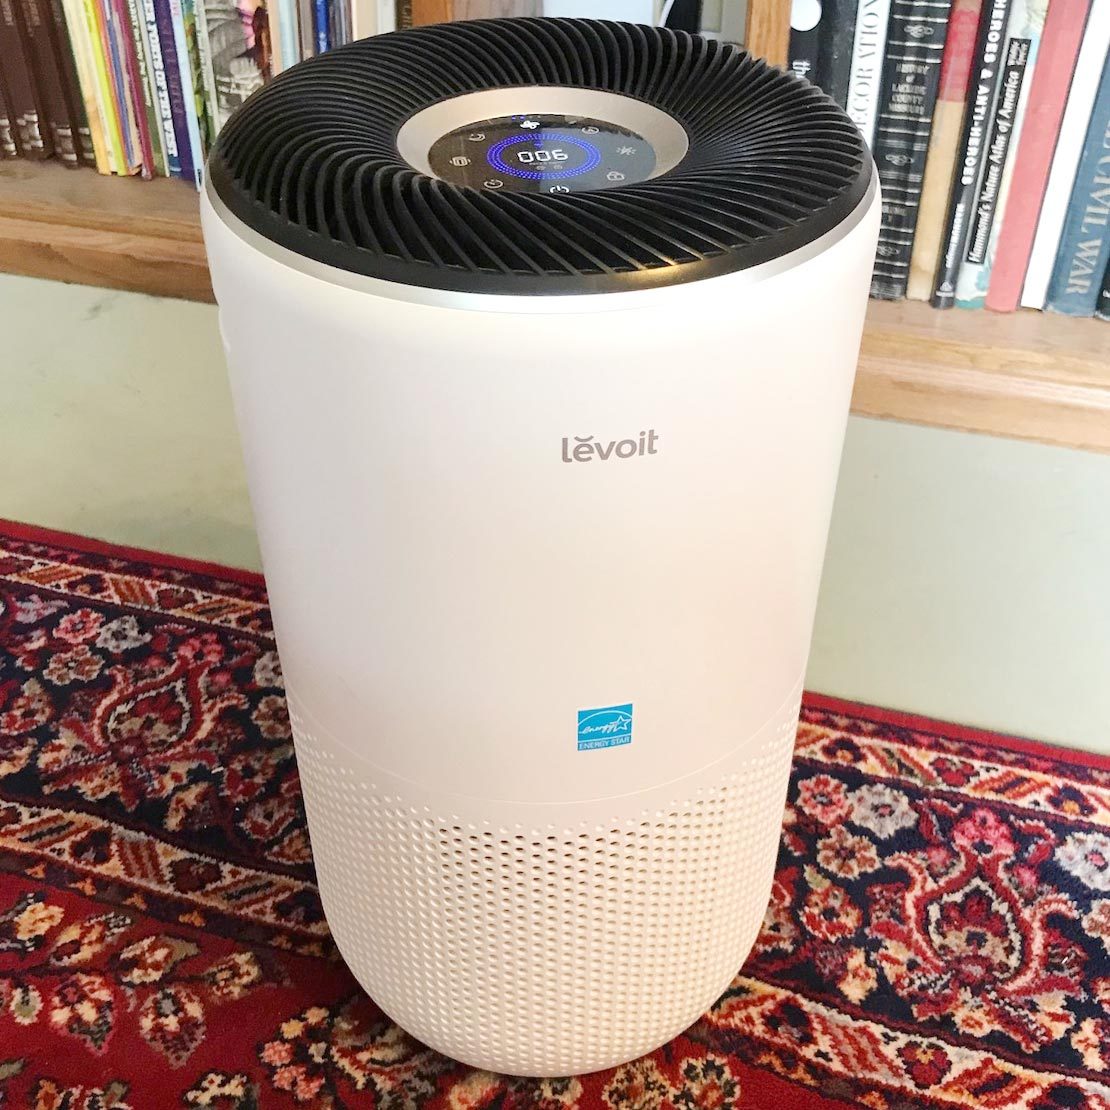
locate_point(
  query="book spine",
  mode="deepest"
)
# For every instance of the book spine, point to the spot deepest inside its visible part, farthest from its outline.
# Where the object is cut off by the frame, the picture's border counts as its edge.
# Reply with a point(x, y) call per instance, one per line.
point(290, 34)
point(940, 160)
point(320, 21)
point(275, 31)
point(114, 40)
point(872, 17)
point(48, 80)
point(404, 14)
point(1085, 242)
point(105, 96)
point(71, 85)
point(1102, 308)
point(306, 17)
point(911, 76)
point(175, 91)
point(80, 39)
point(135, 86)
point(196, 70)
point(339, 22)
point(146, 84)
point(1065, 159)
point(160, 90)
point(207, 73)
point(834, 52)
point(22, 96)
point(982, 93)
point(8, 148)
point(1048, 94)
point(805, 23)
point(188, 91)
point(1023, 36)
point(237, 75)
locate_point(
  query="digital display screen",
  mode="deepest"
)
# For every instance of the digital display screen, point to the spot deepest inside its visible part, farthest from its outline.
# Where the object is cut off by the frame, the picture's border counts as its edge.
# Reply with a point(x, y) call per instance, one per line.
point(542, 153)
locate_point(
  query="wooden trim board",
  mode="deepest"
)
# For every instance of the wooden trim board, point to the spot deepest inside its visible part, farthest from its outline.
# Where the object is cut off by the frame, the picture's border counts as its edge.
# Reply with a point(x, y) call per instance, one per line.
point(1027, 374)
point(76, 225)
point(1030, 375)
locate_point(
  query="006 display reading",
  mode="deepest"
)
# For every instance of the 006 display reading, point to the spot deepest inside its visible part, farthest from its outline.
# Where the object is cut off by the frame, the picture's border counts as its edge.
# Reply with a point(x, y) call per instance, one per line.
point(542, 153)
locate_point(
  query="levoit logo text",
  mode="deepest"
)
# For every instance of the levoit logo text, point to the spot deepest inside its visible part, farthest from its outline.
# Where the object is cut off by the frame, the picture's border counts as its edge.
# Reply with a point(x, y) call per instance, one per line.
point(584, 449)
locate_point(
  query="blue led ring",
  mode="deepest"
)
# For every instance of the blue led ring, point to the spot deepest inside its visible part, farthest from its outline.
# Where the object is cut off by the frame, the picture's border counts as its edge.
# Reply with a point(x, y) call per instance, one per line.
point(593, 156)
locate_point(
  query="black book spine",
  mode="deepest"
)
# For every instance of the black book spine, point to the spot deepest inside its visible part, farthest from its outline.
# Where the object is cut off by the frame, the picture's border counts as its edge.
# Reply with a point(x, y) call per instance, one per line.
point(71, 87)
point(806, 18)
point(1102, 308)
point(986, 77)
point(907, 96)
point(8, 148)
point(837, 34)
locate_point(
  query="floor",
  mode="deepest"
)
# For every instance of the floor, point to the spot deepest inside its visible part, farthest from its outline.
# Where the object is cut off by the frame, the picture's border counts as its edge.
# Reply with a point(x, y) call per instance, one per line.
point(967, 577)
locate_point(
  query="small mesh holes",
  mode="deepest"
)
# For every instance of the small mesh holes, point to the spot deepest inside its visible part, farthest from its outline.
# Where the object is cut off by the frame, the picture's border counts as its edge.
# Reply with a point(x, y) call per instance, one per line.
point(545, 951)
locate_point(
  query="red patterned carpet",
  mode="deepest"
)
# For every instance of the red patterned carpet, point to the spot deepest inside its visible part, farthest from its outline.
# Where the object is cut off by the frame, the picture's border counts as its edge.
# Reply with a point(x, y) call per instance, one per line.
point(938, 937)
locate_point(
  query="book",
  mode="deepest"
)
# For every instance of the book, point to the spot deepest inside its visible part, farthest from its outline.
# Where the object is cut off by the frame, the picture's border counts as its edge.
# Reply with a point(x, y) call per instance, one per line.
point(160, 89)
point(306, 22)
point(907, 97)
point(1065, 158)
point(339, 20)
point(982, 94)
point(175, 89)
point(287, 46)
point(404, 15)
point(8, 148)
point(138, 94)
point(196, 68)
point(48, 80)
point(26, 118)
point(81, 43)
point(836, 35)
point(372, 17)
point(238, 35)
point(116, 38)
point(1085, 241)
point(148, 89)
point(1102, 308)
point(872, 17)
point(1048, 94)
point(71, 86)
point(275, 35)
point(185, 69)
point(105, 92)
point(1023, 36)
point(805, 19)
point(320, 23)
point(207, 73)
point(940, 160)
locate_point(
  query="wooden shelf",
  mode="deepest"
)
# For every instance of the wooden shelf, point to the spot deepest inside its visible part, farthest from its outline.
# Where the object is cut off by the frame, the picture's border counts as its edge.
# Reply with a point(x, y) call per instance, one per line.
point(1028, 374)
point(77, 225)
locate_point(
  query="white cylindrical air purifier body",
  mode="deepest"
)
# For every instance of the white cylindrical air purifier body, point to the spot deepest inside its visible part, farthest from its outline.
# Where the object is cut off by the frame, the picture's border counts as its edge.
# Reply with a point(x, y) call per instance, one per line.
point(543, 572)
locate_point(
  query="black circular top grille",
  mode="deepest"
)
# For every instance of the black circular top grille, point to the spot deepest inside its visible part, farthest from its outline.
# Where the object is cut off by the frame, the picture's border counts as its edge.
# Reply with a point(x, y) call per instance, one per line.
point(311, 163)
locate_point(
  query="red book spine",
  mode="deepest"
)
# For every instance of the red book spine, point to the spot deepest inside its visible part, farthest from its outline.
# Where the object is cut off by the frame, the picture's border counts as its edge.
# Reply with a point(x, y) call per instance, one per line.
point(127, 45)
point(1048, 96)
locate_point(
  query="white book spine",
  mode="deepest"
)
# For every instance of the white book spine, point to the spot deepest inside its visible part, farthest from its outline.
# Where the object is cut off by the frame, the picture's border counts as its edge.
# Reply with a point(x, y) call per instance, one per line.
point(372, 17)
point(1069, 148)
point(868, 48)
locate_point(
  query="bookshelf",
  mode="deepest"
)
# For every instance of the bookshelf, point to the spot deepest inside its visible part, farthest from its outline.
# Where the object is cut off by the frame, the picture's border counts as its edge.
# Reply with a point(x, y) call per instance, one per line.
point(1027, 374)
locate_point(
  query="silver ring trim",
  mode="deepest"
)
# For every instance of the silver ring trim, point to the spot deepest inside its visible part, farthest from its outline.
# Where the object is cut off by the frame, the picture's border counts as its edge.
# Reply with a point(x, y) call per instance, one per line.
point(537, 302)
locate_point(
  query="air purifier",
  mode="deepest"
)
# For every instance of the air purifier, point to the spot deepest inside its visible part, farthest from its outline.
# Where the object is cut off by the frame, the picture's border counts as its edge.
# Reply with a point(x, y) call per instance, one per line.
point(541, 337)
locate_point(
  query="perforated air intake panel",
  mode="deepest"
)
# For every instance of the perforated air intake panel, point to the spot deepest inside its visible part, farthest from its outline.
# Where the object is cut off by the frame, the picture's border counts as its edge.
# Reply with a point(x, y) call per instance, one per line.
point(311, 162)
